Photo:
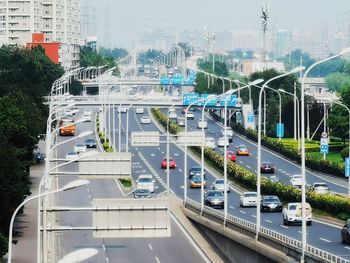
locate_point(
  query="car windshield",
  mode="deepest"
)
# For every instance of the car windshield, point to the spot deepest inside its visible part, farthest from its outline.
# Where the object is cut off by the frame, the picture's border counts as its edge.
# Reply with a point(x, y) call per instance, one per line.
point(170, 159)
point(145, 180)
point(219, 182)
point(80, 145)
point(90, 140)
point(271, 199)
point(320, 185)
point(242, 147)
point(293, 207)
point(142, 191)
point(250, 195)
point(215, 194)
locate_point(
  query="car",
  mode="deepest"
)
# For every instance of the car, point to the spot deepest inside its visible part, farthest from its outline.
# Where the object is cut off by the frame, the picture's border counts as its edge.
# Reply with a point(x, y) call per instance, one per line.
point(273, 178)
point(80, 148)
point(214, 198)
point(172, 115)
point(242, 150)
point(71, 156)
point(345, 232)
point(172, 163)
point(145, 181)
point(87, 112)
point(210, 142)
point(172, 110)
point(39, 157)
point(190, 115)
point(139, 110)
point(196, 171)
point(231, 156)
point(267, 167)
point(87, 118)
point(122, 109)
point(320, 188)
point(202, 124)
point(142, 193)
point(222, 142)
point(196, 182)
point(296, 180)
point(90, 143)
point(248, 199)
point(145, 120)
point(219, 184)
point(229, 134)
point(292, 214)
point(180, 121)
point(270, 203)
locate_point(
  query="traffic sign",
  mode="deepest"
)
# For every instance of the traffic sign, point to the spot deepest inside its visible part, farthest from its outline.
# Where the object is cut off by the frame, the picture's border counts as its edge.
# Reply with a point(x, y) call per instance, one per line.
point(324, 141)
point(280, 130)
point(209, 102)
point(347, 167)
point(231, 101)
point(189, 98)
point(324, 148)
point(250, 117)
point(324, 135)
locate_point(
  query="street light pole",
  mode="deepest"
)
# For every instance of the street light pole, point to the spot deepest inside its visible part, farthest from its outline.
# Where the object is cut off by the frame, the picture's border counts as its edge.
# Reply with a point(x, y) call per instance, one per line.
point(168, 150)
point(258, 223)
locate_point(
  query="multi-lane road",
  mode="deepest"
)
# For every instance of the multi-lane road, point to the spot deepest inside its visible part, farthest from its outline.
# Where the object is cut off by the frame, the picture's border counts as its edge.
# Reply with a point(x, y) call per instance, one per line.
point(177, 248)
point(321, 235)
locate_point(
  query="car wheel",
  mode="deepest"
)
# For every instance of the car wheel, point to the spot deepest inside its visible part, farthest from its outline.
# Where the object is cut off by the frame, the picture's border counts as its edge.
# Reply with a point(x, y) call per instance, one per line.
point(285, 221)
point(241, 205)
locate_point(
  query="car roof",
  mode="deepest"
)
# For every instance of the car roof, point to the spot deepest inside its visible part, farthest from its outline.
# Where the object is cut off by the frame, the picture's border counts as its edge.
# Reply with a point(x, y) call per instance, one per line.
point(145, 176)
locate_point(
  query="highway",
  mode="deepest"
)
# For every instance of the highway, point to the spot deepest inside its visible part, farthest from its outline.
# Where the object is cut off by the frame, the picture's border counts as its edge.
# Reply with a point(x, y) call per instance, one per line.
point(320, 235)
point(176, 248)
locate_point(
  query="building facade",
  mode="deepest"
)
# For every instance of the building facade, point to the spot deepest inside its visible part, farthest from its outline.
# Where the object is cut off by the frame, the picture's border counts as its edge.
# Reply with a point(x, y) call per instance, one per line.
point(59, 20)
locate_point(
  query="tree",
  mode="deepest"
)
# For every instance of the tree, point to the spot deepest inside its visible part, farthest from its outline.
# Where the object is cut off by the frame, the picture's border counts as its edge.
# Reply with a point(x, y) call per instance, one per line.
point(215, 86)
point(336, 80)
point(339, 122)
point(116, 53)
point(186, 47)
point(148, 56)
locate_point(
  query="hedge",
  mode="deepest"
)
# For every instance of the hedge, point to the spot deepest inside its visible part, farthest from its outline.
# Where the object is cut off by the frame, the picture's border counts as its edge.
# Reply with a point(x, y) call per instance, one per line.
point(163, 119)
point(333, 204)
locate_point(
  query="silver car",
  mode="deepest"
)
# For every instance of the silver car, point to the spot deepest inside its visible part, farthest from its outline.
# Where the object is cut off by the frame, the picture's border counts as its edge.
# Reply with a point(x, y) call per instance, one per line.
point(219, 184)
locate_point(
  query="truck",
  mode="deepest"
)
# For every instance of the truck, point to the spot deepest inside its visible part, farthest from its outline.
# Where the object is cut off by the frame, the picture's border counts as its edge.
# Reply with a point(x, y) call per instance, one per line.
point(67, 127)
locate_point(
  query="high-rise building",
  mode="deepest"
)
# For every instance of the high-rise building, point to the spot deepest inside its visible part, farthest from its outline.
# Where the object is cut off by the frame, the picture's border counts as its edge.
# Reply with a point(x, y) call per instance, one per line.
point(282, 44)
point(59, 20)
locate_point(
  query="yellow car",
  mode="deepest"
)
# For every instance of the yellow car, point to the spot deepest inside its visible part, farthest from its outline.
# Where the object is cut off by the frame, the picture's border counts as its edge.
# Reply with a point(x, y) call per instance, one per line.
point(196, 182)
point(242, 150)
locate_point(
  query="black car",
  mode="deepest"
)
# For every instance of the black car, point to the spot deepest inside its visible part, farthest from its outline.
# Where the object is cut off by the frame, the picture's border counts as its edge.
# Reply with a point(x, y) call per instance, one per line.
point(90, 143)
point(142, 193)
point(196, 171)
point(345, 232)
point(270, 203)
point(267, 167)
point(214, 198)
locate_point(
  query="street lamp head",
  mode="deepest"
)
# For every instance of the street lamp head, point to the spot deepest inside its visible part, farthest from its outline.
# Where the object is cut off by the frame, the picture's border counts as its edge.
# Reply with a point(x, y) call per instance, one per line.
point(297, 69)
point(281, 90)
point(75, 184)
point(344, 51)
point(256, 82)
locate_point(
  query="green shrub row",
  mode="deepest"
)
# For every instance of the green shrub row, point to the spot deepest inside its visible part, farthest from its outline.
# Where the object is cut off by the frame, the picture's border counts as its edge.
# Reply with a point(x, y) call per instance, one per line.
point(163, 119)
point(103, 138)
point(333, 204)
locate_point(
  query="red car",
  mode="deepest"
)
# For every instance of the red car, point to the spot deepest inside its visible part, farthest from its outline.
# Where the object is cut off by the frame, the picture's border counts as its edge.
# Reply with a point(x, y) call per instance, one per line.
point(267, 167)
point(172, 163)
point(231, 156)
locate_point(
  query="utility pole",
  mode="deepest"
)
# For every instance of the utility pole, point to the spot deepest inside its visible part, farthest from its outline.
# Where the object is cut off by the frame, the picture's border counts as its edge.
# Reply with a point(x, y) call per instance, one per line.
point(209, 38)
point(264, 18)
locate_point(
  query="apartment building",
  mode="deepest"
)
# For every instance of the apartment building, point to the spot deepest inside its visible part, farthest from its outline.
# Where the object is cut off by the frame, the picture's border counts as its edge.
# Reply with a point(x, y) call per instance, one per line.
point(59, 20)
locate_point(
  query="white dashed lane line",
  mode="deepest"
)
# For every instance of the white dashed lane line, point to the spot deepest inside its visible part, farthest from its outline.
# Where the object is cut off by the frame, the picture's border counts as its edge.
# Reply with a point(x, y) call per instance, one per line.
point(254, 216)
point(325, 240)
point(150, 246)
point(268, 221)
point(243, 212)
point(284, 226)
point(248, 167)
point(231, 207)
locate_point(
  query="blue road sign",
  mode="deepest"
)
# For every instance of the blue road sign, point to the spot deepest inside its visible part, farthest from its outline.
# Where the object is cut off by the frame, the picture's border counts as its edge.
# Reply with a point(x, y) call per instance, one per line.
point(231, 101)
point(189, 98)
point(280, 130)
point(324, 148)
point(347, 166)
point(164, 81)
point(250, 117)
point(210, 101)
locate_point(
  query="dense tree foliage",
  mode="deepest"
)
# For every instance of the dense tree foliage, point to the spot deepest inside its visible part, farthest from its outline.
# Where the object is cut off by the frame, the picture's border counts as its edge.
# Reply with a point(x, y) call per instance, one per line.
point(148, 56)
point(116, 53)
point(186, 47)
point(26, 76)
point(215, 85)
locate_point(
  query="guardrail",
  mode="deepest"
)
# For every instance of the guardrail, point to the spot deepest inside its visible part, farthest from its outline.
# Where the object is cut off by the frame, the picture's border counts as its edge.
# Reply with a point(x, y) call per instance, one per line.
point(272, 235)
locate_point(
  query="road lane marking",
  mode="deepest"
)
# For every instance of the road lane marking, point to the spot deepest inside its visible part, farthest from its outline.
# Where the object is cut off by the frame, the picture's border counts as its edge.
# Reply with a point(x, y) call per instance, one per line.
point(248, 167)
point(284, 226)
point(150, 246)
point(347, 248)
point(268, 221)
point(325, 240)
point(157, 260)
point(180, 170)
point(243, 212)
point(300, 232)
point(254, 216)
point(240, 161)
point(231, 207)
point(104, 247)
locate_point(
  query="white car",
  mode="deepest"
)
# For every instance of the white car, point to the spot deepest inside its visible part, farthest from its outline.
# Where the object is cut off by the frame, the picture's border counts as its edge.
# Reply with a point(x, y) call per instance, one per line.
point(320, 188)
point(296, 180)
point(139, 110)
point(145, 120)
point(87, 118)
point(181, 121)
point(172, 115)
point(248, 199)
point(172, 110)
point(145, 181)
point(87, 112)
point(292, 213)
point(190, 115)
point(71, 156)
point(219, 184)
point(202, 124)
point(210, 143)
point(229, 132)
point(80, 148)
point(122, 109)
point(222, 142)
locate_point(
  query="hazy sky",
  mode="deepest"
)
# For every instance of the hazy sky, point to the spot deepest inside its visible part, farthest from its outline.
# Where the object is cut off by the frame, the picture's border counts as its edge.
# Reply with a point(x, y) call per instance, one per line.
point(129, 18)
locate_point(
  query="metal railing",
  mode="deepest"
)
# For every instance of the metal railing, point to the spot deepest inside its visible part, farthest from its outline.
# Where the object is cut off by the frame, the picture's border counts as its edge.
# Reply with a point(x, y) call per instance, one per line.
point(269, 234)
